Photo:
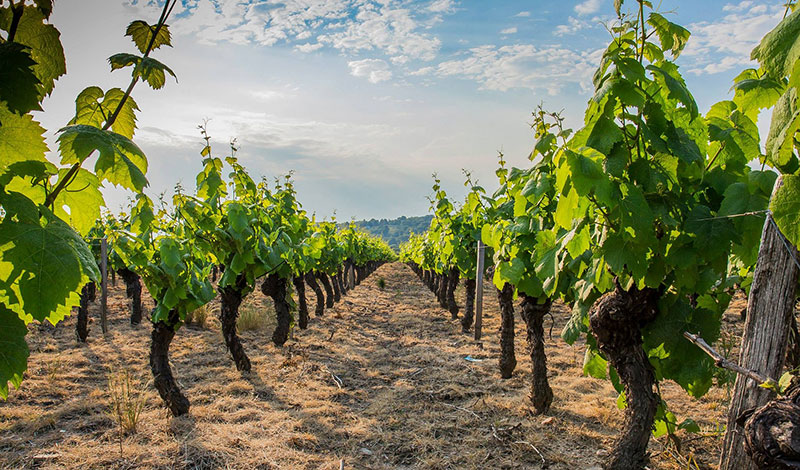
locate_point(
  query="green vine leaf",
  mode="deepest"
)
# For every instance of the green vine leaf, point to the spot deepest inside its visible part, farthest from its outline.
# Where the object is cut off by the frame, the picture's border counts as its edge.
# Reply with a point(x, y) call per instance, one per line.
point(783, 127)
point(754, 92)
point(13, 350)
point(121, 162)
point(676, 86)
point(673, 37)
point(785, 207)
point(94, 108)
point(21, 139)
point(152, 72)
point(45, 45)
point(141, 33)
point(19, 86)
point(779, 50)
point(43, 262)
point(80, 207)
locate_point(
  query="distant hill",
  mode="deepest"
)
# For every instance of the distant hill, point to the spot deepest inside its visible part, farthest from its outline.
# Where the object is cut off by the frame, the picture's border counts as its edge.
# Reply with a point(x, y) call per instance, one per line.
point(396, 231)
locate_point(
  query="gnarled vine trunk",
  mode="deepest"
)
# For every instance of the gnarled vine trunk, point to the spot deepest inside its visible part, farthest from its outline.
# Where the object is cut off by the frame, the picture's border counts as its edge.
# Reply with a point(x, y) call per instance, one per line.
point(326, 283)
point(469, 305)
point(441, 293)
point(452, 306)
point(88, 294)
point(163, 379)
point(793, 348)
point(230, 300)
point(342, 283)
point(772, 432)
point(337, 294)
point(133, 290)
point(508, 361)
point(275, 286)
point(319, 310)
point(617, 319)
point(302, 306)
point(533, 314)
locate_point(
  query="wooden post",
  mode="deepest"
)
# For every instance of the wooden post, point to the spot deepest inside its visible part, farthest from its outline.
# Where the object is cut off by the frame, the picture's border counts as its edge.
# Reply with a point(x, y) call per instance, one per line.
point(351, 275)
point(103, 284)
point(766, 330)
point(479, 292)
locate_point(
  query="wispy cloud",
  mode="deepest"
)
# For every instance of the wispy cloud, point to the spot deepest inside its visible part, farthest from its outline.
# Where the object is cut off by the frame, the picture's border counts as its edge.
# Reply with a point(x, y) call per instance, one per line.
point(442, 6)
point(393, 31)
point(350, 26)
point(511, 30)
point(573, 26)
point(588, 7)
point(374, 70)
point(549, 68)
point(726, 44)
point(523, 14)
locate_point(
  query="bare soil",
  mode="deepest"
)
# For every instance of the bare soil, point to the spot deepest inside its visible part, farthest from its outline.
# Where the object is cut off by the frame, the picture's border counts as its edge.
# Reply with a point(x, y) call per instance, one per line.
point(382, 381)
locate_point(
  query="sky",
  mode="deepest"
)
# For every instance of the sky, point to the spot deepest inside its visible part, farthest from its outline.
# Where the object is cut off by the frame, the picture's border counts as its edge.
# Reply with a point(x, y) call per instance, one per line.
point(363, 100)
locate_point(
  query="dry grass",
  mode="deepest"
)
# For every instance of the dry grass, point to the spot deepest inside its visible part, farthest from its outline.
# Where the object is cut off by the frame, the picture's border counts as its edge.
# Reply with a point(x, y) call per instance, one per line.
point(380, 382)
point(199, 317)
point(128, 397)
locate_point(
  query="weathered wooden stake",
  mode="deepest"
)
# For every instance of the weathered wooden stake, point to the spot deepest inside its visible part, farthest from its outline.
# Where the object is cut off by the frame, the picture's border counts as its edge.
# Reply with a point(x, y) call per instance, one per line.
point(103, 284)
point(479, 292)
point(766, 331)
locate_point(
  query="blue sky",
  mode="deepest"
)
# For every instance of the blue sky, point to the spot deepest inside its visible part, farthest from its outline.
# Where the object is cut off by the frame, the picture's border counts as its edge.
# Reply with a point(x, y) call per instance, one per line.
point(363, 100)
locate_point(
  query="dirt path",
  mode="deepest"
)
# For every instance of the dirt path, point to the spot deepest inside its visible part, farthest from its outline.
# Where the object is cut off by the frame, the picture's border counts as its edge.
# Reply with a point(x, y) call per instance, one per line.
point(380, 382)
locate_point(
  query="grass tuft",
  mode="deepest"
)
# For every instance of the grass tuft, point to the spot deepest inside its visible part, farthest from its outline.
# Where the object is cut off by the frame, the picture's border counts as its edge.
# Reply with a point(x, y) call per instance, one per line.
point(198, 317)
point(127, 395)
point(251, 318)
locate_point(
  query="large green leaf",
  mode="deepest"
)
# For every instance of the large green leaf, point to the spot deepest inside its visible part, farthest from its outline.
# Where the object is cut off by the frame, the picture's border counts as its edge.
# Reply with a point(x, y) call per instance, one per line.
point(755, 92)
point(783, 127)
point(13, 350)
point(43, 261)
point(785, 207)
point(152, 72)
point(94, 108)
point(21, 139)
point(147, 68)
point(45, 43)
point(780, 48)
point(19, 86)
point(667, 74)
point(142, 33)
point(673, 37)
point(120, 161)
point(80, 207)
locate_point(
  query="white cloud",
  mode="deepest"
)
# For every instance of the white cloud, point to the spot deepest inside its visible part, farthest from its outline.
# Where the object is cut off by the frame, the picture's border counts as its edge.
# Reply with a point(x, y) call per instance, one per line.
point(423, 71)
point(442, 6)
point(374, 70)
point(741, 6)
point(726, 44)
point(351, 26)
point(523, 14)
point(549, 68)
point(511, 30)
point(573, 26)
point(391, 30)
point(267, 95)
point(308, 47)
point(588, 7)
